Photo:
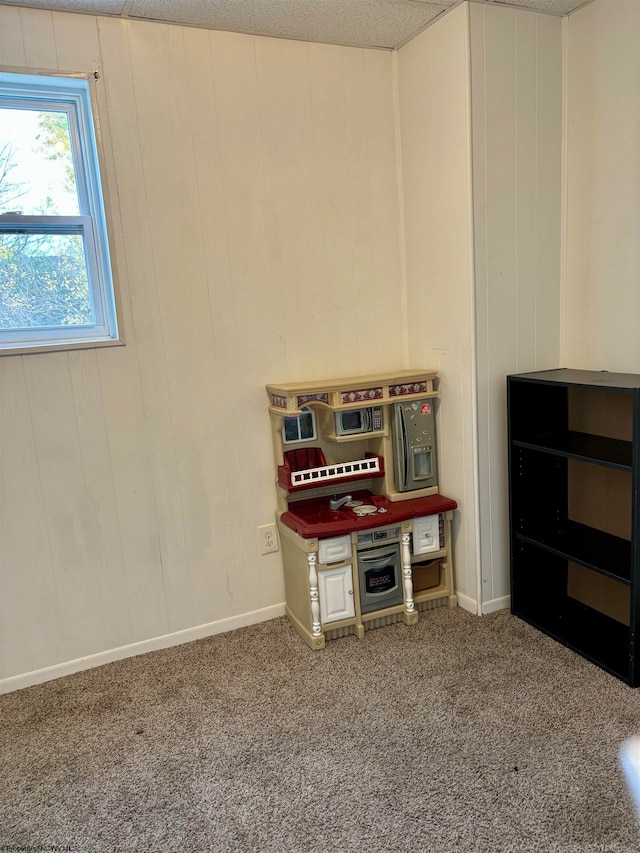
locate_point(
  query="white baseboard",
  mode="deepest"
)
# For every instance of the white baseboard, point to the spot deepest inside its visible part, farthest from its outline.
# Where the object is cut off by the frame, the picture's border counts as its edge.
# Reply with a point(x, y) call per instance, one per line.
point(38, 676)
point(165, 641)
point(467, 603)
point(496, 604)
point(471, 604)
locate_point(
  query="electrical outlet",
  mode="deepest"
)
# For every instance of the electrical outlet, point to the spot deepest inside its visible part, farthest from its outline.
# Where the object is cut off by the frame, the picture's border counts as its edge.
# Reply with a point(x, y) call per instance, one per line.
point(268, 539)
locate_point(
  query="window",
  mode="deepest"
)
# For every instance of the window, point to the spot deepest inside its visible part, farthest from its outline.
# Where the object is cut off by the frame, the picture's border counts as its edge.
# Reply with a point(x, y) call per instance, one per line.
point(56, 286)
point(300, 427)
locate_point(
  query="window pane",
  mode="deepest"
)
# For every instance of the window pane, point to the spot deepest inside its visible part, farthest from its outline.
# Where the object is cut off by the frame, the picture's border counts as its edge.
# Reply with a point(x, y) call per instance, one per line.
point(291, 431)
point(37, 176)
point(43, 281)
point(306, 425)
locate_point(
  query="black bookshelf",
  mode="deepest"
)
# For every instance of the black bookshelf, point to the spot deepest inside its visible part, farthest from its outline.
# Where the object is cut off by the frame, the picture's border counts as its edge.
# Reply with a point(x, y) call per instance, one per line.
point(573, 505)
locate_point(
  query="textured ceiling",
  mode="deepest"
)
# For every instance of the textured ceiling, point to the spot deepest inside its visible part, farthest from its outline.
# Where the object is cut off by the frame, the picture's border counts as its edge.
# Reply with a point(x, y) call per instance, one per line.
point(362, 23)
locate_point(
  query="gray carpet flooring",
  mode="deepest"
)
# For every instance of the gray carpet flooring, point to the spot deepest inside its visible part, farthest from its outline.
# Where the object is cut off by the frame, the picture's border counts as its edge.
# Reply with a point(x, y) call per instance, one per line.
point(457, 734)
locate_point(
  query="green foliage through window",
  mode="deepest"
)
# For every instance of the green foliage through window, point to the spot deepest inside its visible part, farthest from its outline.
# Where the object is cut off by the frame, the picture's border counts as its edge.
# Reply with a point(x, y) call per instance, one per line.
point(43, 282)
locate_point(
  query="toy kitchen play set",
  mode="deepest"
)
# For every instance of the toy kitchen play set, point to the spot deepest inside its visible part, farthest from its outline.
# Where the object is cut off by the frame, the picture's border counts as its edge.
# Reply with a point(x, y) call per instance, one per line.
point(365, 533)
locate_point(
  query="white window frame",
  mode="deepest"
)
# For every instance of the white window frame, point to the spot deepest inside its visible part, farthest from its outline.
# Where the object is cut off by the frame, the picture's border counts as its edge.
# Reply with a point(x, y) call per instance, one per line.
point(70, 94)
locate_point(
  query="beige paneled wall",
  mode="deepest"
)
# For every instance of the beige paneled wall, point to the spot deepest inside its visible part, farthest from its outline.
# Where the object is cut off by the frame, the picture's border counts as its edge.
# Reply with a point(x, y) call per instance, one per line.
point(603, 187)
point(254, 196)
point(480, 111)
point(433, 83)
point(516, 95)
point(261, 233)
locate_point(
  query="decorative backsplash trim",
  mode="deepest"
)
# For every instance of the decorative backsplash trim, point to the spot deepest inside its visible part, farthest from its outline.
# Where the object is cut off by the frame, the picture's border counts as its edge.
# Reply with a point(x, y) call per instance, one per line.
point(408, 388)
point(362, 395)
point(304, 398)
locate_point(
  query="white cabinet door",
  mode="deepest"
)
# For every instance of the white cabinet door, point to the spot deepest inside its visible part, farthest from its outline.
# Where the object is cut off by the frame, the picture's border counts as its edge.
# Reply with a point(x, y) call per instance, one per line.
point(336, 594)
point(426, 534)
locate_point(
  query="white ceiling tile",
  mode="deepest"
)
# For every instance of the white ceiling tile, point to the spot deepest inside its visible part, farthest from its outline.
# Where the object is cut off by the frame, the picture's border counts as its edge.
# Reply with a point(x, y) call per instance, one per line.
point(557, 7)
point(362, 23)
point(375, 23)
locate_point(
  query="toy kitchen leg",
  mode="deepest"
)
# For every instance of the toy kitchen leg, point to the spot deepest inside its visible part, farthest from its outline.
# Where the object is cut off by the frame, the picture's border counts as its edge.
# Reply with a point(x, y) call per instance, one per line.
point(410, 614)
point(448, 566)
point(314, 595)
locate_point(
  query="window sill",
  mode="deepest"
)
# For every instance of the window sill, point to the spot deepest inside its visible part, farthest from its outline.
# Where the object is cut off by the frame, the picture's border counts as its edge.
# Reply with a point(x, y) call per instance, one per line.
point(61, 346)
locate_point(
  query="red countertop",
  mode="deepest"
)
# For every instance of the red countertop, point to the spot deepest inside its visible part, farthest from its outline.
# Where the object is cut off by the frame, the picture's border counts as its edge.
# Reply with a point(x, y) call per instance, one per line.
point(313, 518)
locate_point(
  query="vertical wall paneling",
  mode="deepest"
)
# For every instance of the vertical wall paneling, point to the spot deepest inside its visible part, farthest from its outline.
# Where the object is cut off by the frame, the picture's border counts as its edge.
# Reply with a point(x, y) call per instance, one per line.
point(254, 218)
point(503, 316)
point(331, 188)
point(382, 146)
point(374, 224)
point(11, 40)
point(39, 40)
point(30, 618)
point(77, 44)
point(602, 110)
point(251, 289)
point(516, 74)
point(494, 83)
point(159, 78)
point(548, 188)
point(524, 189)
point(290, 217)
point(99, 493)
point(78, 47)
point(207, 519)
point(234, 71)
point(121, 376)
point(436, 159)
point(70, 514)
point(358, 170)
point(498, 289)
